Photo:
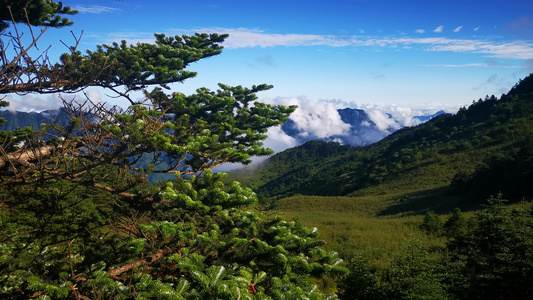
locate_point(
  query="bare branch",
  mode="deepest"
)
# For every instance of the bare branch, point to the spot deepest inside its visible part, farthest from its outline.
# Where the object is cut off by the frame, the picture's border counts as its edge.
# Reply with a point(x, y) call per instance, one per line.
point(24, 74)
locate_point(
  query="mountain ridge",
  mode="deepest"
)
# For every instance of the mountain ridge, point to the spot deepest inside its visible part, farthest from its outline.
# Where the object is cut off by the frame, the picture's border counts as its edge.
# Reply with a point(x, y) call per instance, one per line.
point(433, 157)
point(362, 131)
point(17, 119)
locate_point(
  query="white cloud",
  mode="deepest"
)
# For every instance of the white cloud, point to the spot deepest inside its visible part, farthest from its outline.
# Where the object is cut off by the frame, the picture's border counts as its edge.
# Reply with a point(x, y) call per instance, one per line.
point(278, 140)
point(439, 29)
point(94, 96)
point(476, 29)
point(458, 29)
point(481, 65)
point(318, 119)
point(93, 9)
point(395, 117)
point(338, 103)
point(404, 116)
point(247, 38)
point(514, 50)
point(313, 120)
point(33, 103)
point(420, 31)
point(383, 121)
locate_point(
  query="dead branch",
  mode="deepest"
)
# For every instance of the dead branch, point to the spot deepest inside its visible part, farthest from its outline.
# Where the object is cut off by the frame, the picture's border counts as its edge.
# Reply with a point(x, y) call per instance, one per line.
point(114, 273)
point(26, 156)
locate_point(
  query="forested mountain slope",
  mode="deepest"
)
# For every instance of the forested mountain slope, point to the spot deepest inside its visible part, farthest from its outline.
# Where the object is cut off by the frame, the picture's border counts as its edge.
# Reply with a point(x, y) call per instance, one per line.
point(452, 153)
point(17, 119)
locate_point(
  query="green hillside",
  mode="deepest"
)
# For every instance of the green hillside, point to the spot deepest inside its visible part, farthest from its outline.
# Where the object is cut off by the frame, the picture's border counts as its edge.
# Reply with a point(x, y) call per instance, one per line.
point(446, 157)
point(419, 215)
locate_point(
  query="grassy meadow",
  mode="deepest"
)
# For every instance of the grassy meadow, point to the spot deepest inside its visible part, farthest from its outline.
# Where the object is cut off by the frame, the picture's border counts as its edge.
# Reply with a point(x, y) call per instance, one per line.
point(352, 225)
point(365, 226)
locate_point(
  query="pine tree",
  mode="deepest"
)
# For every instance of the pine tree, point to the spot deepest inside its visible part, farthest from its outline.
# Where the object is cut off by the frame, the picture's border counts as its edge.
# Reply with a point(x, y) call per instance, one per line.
point(79, 219)
point(497, 253)
point(36, 12)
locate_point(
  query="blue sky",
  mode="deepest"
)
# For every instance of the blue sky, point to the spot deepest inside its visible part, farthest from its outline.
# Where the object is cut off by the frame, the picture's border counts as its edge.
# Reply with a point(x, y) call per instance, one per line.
point(422, 53)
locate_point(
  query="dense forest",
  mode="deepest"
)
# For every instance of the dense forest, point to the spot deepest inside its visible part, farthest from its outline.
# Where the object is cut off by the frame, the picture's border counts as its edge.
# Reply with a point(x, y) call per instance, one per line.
point(437, 211)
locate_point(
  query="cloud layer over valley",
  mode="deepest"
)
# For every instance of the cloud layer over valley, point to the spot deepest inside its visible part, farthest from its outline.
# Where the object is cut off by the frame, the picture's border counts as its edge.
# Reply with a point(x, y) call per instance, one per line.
point(356, 126)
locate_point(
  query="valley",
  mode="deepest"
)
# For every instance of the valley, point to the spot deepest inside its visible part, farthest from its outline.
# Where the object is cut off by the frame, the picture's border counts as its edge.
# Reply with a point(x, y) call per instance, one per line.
point(370, 203)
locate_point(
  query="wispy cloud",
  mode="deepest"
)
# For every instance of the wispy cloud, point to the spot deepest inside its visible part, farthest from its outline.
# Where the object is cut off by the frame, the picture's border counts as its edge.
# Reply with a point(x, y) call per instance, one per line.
point(247, 38)
point(514, 50)
point(458, 29)
point(420, 31)
point(482, 65)
point(476, 29)
point(93, 9)
point(439, 29)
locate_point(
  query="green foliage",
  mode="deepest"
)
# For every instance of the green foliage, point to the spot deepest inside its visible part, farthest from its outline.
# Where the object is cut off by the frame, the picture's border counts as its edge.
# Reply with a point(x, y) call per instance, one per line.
point(432, 223)
point(451, 161)
point(215, 251)
point(79, 220)
point(487, 256)
point(509, 175)
point(131, 66)
point(38, 12)
point(361, 282)
point(415, 275)
point(497, 253)
point(457, 225)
